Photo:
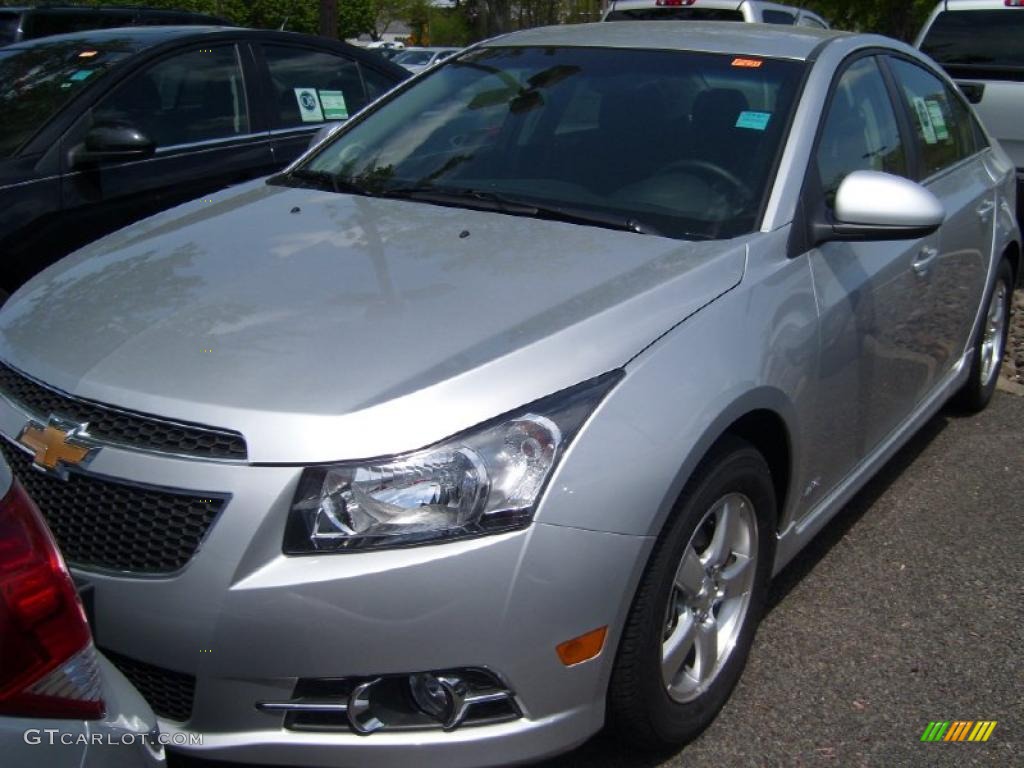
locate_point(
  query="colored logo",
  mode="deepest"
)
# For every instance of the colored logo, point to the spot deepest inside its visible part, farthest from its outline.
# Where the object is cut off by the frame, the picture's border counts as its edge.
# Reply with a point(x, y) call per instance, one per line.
point(56, 446)
point(308, 100)
point(959, 730)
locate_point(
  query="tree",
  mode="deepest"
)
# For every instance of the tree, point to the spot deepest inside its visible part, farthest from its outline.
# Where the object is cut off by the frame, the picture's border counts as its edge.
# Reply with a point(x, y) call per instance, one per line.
point(329, 18)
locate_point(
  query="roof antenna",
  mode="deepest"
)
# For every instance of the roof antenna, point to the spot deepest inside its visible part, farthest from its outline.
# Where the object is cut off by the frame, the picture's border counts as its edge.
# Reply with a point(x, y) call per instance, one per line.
point(281, 28)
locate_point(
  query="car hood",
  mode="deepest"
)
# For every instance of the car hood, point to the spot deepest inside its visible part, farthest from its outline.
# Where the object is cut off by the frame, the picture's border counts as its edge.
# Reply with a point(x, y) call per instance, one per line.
point(325, 326)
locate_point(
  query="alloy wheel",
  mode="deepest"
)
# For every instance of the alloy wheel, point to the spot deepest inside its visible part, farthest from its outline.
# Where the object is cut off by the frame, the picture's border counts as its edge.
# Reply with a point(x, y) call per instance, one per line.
point(710, 597)
point(993, 337)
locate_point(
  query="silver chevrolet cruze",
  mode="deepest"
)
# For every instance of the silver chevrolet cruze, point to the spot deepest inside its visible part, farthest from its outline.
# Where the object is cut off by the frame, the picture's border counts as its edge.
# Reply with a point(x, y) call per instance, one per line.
point(487, 422)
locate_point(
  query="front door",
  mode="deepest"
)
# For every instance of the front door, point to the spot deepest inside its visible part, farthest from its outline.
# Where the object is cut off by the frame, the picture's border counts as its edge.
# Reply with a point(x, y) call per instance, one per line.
point(877, 342)
point(194, 105)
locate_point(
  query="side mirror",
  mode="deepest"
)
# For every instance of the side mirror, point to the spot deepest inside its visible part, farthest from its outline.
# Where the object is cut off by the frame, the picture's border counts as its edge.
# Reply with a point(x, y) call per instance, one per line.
point(111, 142)
point(871, 205)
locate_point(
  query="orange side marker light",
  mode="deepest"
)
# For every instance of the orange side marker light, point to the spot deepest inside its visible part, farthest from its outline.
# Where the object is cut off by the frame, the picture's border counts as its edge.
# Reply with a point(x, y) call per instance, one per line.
point(582, 648)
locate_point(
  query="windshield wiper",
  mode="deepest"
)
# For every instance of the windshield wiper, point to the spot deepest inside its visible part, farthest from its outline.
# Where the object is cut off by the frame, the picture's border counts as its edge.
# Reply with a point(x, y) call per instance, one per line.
point(324, 180)
point(494, 201)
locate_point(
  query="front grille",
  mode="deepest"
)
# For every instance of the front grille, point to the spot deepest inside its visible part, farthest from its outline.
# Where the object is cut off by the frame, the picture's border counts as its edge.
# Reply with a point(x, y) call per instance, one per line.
point(134, 430)
point(167, 692)
point(101, 523)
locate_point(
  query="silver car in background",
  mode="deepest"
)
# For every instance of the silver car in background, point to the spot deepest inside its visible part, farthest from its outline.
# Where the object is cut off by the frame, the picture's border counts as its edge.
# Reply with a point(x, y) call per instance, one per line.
point(751, 11)
point(980, 43)
point(62, 704)
point(487, 423)
point(418, 59)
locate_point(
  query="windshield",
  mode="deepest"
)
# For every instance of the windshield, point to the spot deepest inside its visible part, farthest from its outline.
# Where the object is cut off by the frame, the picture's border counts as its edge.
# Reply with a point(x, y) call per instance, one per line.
point(675, 14)
point(414, 58)
point(35, 82)
point(8, 27)
point(674, 143)
point(977, 38)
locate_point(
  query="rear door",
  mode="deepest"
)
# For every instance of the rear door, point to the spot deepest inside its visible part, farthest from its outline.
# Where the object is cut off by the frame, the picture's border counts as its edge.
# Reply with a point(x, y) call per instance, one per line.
point(306, 88)
point(950, 164)
point(194, 104)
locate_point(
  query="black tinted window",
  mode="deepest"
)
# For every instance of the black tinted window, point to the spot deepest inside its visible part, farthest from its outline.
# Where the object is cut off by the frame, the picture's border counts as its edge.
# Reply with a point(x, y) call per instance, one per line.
point(861, 132)
point(977, 38)
point(9, 27)
point(312, 86)
point(194, 96)
point(941, 122)
point(675, 14)
point(778, 17)
point(44, 23)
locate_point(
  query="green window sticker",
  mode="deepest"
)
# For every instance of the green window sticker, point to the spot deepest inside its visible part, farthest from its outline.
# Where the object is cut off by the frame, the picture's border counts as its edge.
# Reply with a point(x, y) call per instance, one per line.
point(924, 119)
point(938, 120)
point(335, 107)
point(754, 121)
point(309, 105)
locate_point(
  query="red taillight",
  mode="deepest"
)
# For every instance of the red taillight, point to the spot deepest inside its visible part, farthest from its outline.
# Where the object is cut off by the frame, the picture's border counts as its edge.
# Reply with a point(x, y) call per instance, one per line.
point(47, 662)
point(668, 3)
point(1014, 3)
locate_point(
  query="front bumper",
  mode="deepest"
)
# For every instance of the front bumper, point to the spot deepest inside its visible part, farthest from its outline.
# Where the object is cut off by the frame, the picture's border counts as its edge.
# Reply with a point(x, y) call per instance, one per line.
point(500, 602)
point(244, 623)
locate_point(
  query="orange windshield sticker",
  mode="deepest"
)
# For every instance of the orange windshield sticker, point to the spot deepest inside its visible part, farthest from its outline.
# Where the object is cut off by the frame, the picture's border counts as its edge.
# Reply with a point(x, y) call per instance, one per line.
point(749, 63)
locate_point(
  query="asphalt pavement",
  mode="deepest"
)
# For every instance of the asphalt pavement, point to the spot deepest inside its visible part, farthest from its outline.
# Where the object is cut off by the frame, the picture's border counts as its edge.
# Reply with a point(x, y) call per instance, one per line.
point(908, 608)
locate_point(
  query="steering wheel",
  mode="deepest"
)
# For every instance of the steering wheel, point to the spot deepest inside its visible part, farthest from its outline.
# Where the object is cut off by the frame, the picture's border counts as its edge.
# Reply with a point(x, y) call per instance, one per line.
point(712, 172)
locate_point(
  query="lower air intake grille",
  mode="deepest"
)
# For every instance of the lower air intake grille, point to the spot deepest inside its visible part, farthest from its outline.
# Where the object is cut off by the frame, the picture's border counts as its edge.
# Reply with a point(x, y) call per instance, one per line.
point(102, 523)
point(169, 693)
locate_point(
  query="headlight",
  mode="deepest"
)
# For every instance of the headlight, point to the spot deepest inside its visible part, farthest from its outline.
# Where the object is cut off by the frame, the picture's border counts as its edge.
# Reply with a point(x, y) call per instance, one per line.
point(485, 480)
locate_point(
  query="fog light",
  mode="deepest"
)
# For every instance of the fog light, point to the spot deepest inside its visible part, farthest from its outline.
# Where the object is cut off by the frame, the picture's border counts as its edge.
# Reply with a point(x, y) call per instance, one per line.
point(431, 696)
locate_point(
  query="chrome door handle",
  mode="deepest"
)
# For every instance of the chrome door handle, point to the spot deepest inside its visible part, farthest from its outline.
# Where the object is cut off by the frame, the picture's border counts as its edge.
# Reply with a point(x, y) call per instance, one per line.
point(924, 260)
point(985, 210)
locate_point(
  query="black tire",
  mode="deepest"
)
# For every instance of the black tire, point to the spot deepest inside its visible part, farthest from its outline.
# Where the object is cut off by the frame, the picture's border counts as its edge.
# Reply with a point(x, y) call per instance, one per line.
point(976, 393)
point(640, 710)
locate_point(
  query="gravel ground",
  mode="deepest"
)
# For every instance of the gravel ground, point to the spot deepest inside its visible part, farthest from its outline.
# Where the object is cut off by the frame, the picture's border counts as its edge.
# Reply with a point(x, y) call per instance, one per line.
point(1013, 369)
point(908, 607)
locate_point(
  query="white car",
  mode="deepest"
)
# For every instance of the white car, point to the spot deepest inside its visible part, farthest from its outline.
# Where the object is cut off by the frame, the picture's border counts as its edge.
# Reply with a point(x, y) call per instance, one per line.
point(712, 10)
point(980, 43)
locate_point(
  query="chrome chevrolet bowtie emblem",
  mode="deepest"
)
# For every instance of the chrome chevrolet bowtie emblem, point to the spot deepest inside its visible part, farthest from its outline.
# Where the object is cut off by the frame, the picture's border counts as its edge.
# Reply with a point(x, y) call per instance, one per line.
point(56, 446)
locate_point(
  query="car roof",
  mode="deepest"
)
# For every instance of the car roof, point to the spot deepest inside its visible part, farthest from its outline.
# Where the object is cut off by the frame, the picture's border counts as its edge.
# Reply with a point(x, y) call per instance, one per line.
point(135, 38)
point(767, 40)
point(139, 38)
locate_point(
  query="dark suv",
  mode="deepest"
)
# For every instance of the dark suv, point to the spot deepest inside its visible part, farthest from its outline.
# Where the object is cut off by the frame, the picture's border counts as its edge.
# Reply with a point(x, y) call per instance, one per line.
point(27, 22)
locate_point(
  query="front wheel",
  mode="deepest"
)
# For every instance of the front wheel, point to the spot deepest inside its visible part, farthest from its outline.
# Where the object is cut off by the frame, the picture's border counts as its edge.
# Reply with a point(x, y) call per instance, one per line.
point(990, 346)
point(698, 603)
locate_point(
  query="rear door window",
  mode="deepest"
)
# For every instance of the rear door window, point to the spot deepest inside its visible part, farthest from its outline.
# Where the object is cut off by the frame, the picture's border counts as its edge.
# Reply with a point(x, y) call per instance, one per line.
point(942, 124)
point(310, 86)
